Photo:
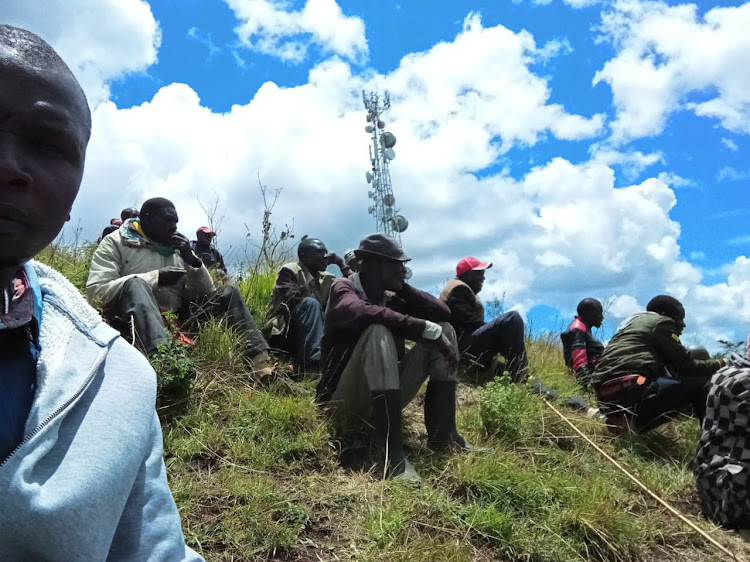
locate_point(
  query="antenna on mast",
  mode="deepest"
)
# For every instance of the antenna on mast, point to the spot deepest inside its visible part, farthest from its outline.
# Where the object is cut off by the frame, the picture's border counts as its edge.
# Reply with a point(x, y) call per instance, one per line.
point(388, 220)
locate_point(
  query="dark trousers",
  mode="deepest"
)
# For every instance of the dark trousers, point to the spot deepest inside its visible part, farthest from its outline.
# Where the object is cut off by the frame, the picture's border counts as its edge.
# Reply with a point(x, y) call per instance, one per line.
point(304, 333)
point(136, 304)
point(505, 336)
point(661, 400)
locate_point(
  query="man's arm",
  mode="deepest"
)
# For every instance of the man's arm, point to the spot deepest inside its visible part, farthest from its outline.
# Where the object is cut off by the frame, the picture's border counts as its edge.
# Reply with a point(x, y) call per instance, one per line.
point(286, 290)
point(579, 353)
point(423, 305)
point(105, 280)
point(220, 262)
point(462, 304)
point(348, 312)
point(676, 356)
point(150, 527)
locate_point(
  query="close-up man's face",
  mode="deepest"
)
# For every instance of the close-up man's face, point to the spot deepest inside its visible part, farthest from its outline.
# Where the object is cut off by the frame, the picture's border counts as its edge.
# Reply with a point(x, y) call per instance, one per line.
point(394, 274)
point(597, 317)
point(314, 256)
point(161, 225)
point(44, 130)
point(475, 280)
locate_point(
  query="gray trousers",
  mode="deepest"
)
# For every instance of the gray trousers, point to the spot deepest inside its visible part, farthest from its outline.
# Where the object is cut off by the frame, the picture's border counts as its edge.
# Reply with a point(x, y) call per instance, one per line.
point(136, 303)
point(374, 366)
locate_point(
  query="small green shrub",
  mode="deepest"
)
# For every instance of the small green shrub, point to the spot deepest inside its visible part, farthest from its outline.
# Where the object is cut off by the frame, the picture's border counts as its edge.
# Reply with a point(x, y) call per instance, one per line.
point(508, 411)
point(175, 370)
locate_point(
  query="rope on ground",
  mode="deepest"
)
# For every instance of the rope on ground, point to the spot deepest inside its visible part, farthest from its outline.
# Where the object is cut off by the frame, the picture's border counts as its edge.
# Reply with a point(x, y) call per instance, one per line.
point(643, 486)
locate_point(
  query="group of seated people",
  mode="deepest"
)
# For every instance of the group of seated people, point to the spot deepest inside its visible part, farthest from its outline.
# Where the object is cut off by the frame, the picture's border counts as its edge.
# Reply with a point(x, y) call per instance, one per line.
point(81, 463)
point(646, 377)
point(349, 330)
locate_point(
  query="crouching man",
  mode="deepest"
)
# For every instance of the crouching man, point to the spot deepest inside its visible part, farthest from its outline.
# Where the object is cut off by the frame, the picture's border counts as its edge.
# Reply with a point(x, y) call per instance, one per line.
point(81, 468)
point(646, 376)
point(147, 266)
point(366, 371)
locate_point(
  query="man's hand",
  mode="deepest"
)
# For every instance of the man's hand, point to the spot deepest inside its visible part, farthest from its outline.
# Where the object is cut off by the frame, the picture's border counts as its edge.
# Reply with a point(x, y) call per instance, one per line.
point(333, 259)
point(170, 275)
point(180, 243)
point(447, 350)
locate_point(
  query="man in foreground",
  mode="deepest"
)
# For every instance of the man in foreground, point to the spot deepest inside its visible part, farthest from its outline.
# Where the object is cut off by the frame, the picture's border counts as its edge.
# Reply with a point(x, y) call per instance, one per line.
point(367, 373)
point(299, 301)
point(146, 266)
point(581, 350)
point(202, 247)
point(81, 468)
point(646, 375)
point(481, 341)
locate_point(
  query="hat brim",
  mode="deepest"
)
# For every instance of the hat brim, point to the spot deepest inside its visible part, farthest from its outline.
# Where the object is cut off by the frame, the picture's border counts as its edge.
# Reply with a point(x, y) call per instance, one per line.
point(482, 266)
point(362, 253)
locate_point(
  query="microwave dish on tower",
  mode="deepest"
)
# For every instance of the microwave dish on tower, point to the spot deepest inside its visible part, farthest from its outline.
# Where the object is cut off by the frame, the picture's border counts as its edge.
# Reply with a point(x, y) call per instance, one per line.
point(388, 219)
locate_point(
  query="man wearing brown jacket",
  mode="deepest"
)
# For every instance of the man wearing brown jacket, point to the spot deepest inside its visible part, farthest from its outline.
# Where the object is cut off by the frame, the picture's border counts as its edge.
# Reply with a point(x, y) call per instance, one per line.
point(366, 371)
point(478, 340)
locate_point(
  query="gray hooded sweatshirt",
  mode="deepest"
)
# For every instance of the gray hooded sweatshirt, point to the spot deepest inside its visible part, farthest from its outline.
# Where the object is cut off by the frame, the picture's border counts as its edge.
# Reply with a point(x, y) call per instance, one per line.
point(88, 481)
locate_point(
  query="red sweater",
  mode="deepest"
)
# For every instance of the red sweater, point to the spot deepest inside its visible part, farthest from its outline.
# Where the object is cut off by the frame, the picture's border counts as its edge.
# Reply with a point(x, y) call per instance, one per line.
point(349, 314)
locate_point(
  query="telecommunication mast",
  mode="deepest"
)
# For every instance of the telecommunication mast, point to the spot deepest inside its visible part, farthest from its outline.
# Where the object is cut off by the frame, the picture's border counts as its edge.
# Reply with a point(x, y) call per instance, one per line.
point(387, 217)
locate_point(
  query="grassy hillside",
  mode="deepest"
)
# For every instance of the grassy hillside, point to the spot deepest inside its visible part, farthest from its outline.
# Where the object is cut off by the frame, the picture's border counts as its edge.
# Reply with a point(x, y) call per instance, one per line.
point(259, 474)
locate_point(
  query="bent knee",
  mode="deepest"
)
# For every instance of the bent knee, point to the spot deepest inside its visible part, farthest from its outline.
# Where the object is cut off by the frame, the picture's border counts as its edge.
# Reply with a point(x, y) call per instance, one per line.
point(514, 319)
point(310, 302)
point(448, 330)
point(377, 331)
point(136, 284)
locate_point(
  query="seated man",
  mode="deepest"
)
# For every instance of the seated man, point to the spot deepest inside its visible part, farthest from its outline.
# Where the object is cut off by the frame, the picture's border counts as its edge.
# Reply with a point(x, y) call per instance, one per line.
point(128, 213)
point(299, 301)
point(722, 463)
point(646, 375)
point(478, 340)
point(351, 260)
point(81, 468)
point(580, 349)
point(210, 256)
point(146, 265)
point(366, 371)
point(114, 224)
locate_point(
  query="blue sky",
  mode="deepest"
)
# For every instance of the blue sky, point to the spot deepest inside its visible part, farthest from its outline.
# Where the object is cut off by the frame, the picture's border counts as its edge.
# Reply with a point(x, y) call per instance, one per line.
point(588, 148)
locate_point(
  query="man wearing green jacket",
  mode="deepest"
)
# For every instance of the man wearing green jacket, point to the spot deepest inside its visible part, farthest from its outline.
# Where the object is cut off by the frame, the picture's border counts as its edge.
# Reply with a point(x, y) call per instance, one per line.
point(646, 375)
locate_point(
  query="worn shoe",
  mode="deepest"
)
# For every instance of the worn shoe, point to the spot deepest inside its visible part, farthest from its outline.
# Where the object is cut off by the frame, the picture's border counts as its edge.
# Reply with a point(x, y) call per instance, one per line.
point(543, 390)
point(409, 474)
point(262, 365)
point(576, 403)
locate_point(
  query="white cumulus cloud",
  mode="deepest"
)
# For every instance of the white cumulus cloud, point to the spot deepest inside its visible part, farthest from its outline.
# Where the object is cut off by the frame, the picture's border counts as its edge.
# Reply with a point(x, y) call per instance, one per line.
point(668, 54)
point(101, 40)
point(271, 27)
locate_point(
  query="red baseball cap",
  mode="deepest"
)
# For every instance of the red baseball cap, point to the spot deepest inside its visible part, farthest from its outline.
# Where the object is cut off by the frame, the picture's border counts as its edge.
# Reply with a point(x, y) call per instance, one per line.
point(471, 264)
point(205, 230)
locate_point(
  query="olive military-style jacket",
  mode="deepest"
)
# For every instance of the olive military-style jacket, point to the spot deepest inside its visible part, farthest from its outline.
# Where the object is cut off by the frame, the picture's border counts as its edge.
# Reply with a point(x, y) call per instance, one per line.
point(293, 284)
point(648, 344)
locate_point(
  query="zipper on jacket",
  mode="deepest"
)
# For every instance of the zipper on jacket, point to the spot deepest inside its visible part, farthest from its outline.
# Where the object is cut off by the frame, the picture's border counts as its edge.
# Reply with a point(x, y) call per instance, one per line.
point(65, 404)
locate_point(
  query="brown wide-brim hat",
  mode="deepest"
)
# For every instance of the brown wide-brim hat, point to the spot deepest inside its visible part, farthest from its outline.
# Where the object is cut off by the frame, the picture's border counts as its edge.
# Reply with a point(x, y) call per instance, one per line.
point(382, 246)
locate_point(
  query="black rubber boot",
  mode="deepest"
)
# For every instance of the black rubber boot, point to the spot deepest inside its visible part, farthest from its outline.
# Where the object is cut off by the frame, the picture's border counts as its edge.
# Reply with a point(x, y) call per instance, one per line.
point(440, 416)
point(386, 419)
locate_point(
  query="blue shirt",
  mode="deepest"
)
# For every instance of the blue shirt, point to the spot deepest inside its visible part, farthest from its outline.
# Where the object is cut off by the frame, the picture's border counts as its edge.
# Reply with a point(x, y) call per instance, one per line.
point(19, 351)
